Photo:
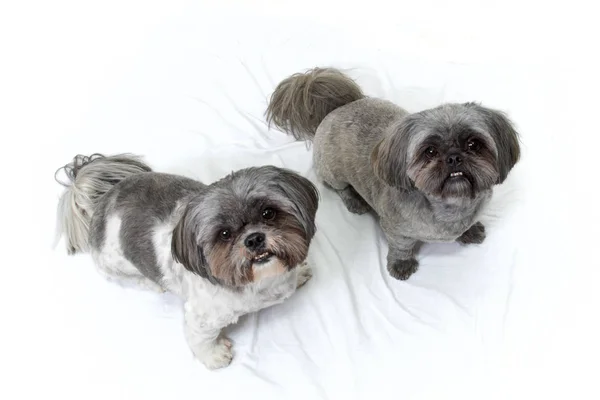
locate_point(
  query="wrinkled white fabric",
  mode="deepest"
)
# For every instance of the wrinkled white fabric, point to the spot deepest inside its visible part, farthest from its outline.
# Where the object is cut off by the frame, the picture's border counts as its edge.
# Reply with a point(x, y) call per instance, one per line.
point(186, 87)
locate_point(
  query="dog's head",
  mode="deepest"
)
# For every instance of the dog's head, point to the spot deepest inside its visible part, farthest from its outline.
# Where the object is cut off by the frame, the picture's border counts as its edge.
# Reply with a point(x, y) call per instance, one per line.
point(253, 224)
point(452, 151)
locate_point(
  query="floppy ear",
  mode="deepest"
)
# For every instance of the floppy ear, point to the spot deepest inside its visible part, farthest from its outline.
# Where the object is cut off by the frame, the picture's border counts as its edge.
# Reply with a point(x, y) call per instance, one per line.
point(505, 136)
point(303, 194)
point(389, 158)
point(186, 250)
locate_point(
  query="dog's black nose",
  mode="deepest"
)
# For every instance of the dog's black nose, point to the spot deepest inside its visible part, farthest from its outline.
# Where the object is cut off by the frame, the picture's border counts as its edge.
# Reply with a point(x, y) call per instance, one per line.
point(255, 241)
point(454, 160)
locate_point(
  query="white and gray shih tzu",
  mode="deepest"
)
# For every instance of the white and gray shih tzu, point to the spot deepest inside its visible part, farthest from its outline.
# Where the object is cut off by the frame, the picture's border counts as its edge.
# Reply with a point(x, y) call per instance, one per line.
point(230, 248)
point(427, 175)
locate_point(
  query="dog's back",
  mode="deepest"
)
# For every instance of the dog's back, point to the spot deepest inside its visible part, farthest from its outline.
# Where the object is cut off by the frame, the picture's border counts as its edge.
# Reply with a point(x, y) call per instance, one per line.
point(344, 143)
point(128, 216)
point(354, 129)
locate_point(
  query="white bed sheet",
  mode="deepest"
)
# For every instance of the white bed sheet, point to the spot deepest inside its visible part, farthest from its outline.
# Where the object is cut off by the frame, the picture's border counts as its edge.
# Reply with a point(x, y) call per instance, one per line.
point(186, 87)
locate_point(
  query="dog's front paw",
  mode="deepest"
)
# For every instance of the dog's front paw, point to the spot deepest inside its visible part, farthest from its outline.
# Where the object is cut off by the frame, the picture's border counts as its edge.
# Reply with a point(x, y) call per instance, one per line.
point(304, 274)
point(217, 355)
point(403, 269)
point(474, 235)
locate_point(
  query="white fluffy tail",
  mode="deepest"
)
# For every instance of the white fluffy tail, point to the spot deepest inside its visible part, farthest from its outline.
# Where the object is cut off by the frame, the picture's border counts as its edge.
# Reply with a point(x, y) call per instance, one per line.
point(89, 178)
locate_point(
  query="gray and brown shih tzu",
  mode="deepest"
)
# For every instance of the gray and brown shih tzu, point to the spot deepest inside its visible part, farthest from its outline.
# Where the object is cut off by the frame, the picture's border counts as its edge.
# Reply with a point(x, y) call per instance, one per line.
point(426, 175)
point(229, 248)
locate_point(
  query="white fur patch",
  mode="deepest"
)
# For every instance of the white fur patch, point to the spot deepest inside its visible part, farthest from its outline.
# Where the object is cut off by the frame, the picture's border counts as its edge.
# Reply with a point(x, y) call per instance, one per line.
point(110, 259)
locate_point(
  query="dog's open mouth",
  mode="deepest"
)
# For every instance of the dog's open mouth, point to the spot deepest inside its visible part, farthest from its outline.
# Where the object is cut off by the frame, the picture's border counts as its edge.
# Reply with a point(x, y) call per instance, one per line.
point(263, 257)
point(458, 178)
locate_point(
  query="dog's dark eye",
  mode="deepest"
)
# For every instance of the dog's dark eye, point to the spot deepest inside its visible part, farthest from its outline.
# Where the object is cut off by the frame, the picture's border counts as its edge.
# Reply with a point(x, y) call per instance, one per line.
point(473, 145)
point(268, 213)
point(225, 234)
point(430, 151)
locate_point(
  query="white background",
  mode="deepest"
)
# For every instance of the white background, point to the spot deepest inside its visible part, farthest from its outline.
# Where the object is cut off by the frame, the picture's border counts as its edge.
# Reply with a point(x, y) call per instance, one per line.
point(185, 85)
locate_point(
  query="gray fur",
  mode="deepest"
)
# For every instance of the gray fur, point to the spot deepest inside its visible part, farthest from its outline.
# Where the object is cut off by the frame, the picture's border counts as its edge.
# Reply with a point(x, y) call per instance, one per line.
point(123, 186)
point(300, 102)
point(504, 135)
point(376, 156)
point(89, 178)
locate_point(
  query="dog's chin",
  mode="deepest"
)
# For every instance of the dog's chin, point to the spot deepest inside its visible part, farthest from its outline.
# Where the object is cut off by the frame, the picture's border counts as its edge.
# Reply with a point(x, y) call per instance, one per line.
point(454, 185)
point(267, 265)
point(281, 253)
point(457, 185)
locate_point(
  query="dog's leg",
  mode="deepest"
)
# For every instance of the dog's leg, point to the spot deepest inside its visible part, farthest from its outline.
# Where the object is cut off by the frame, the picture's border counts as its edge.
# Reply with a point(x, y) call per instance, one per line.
point(138, 281)
point(144, 283)
point(117, 269)
point(205, 339)
point(474, 235)
point(354, 203)
point(352, 200)
point(401, 262)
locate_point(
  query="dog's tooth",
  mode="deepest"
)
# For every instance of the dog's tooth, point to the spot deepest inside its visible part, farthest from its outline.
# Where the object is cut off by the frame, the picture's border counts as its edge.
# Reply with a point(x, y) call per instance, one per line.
point(261, 256)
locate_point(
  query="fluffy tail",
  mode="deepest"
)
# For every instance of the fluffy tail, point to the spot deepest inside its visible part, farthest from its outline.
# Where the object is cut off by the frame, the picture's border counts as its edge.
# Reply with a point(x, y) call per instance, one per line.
point(302, 101)
point(89, 178)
